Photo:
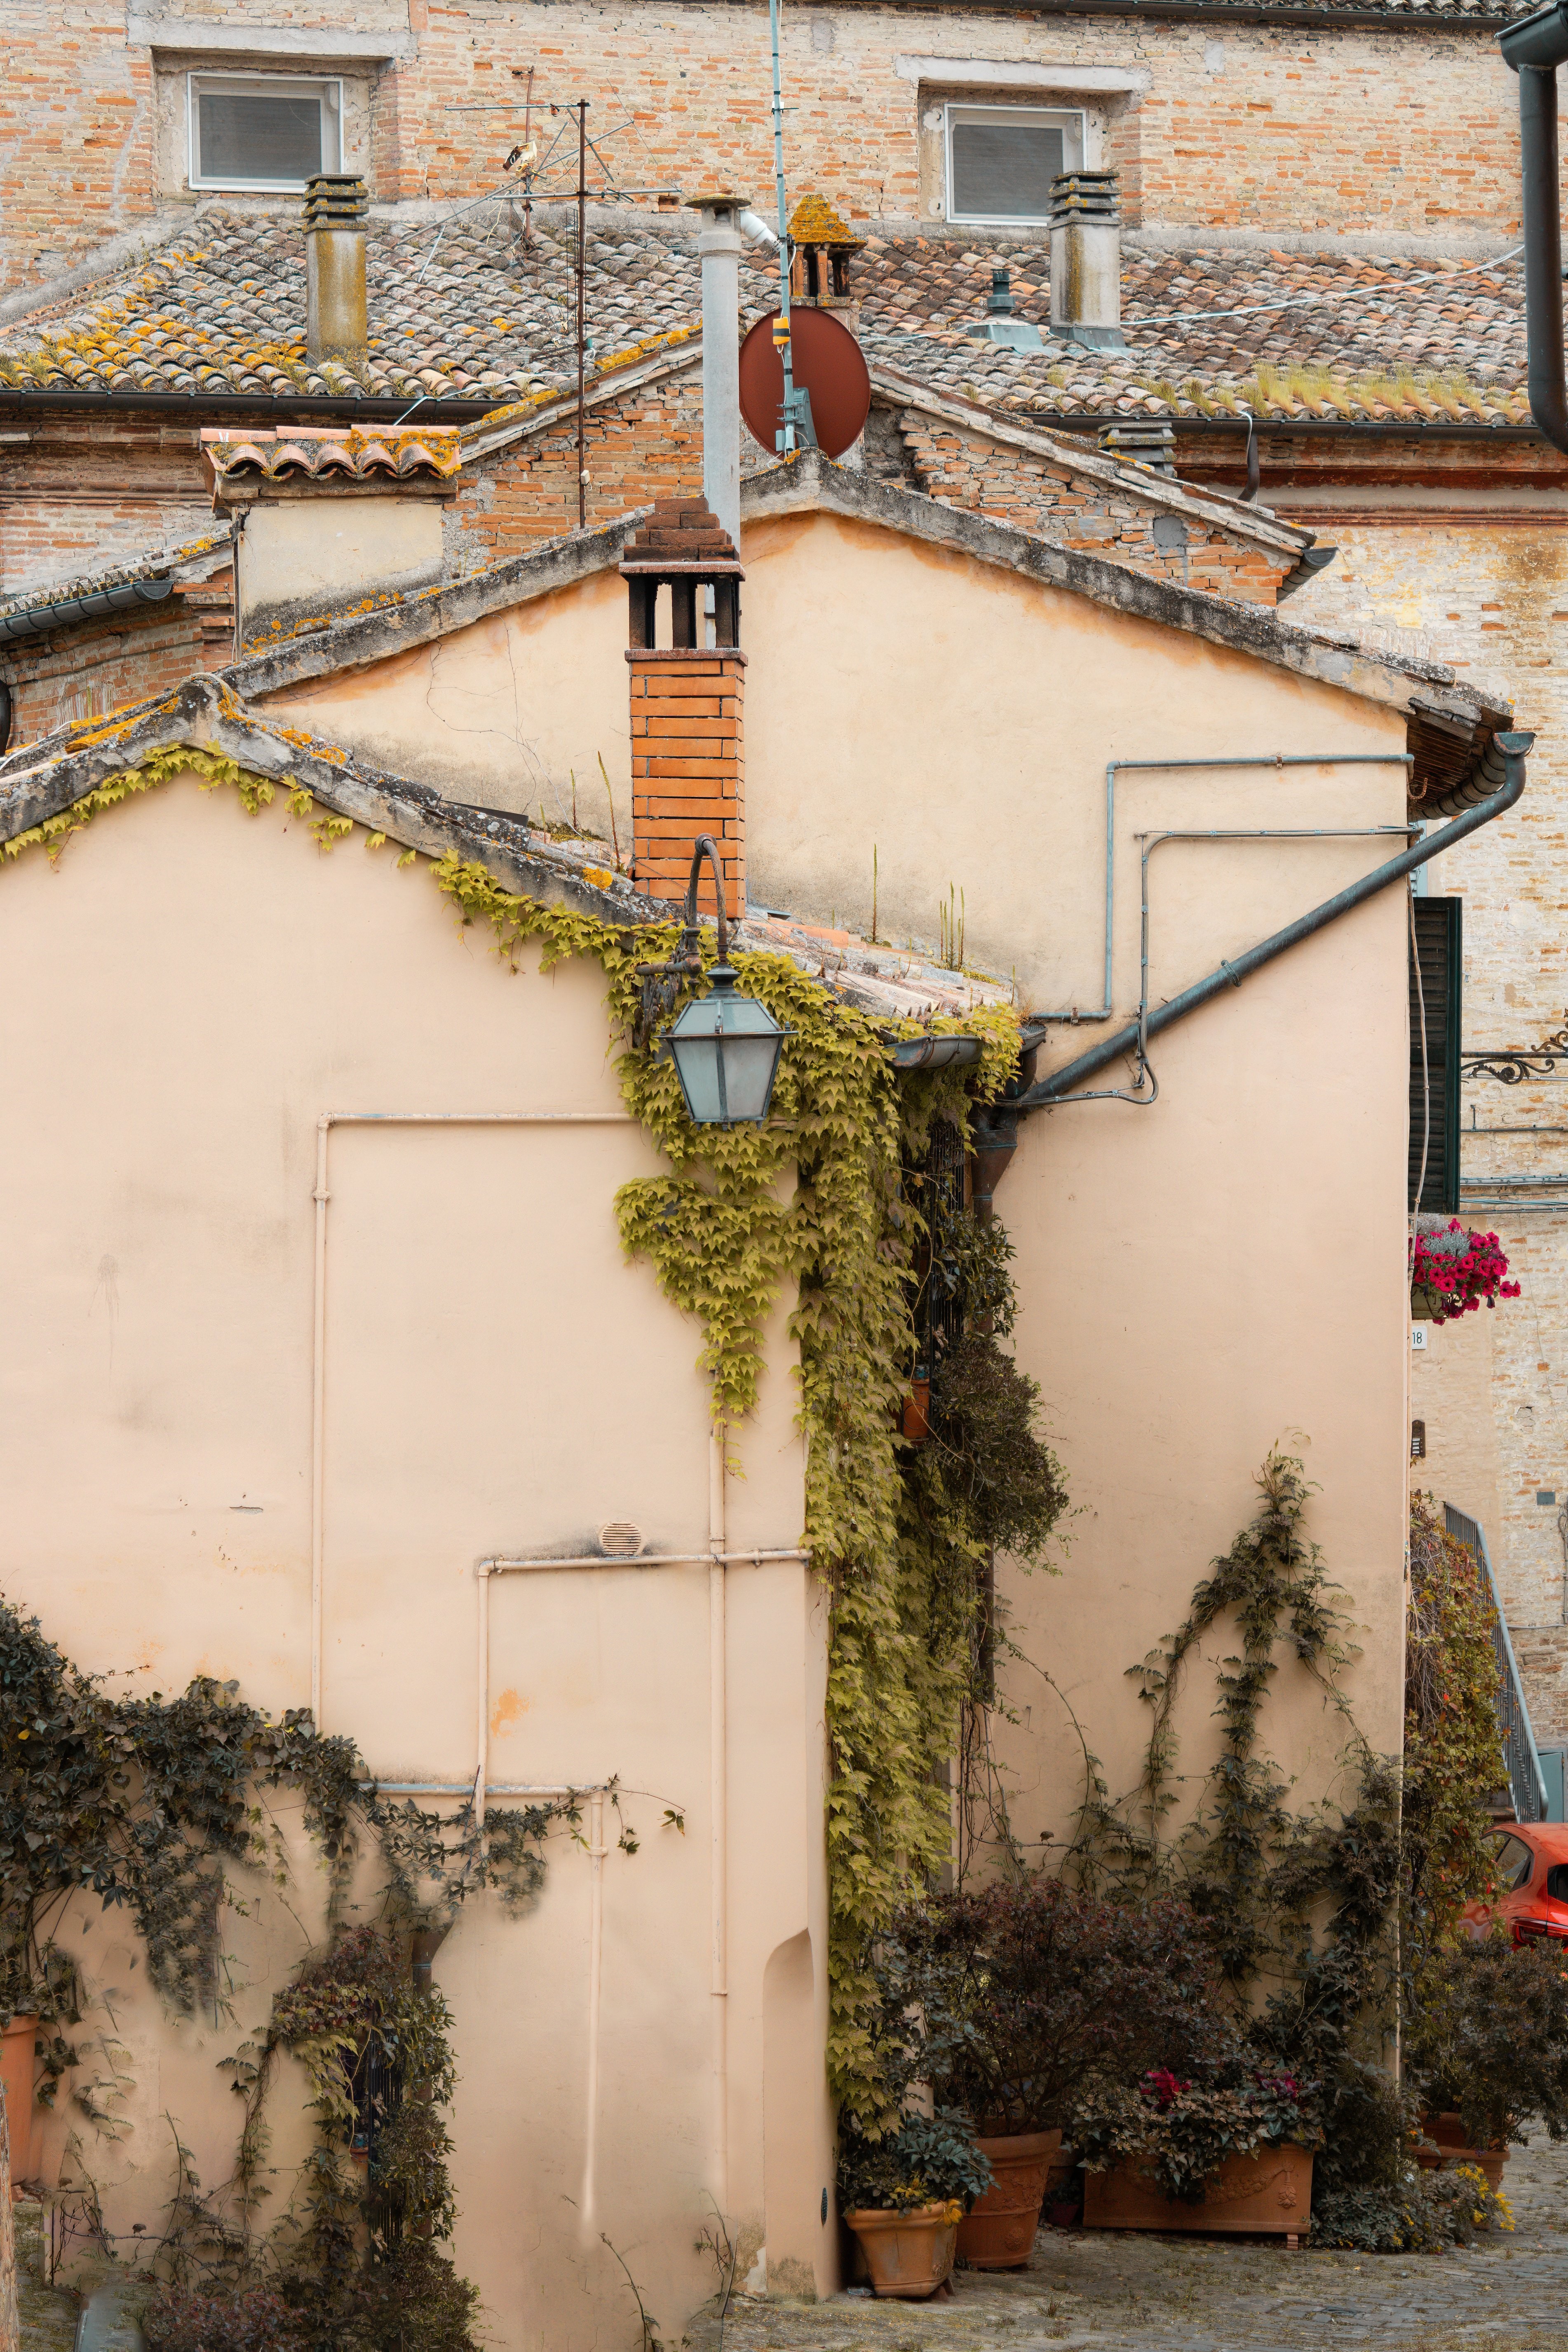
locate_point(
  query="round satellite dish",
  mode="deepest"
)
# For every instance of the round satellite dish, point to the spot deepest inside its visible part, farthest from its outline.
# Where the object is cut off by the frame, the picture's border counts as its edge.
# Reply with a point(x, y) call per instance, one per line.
point(827, 358)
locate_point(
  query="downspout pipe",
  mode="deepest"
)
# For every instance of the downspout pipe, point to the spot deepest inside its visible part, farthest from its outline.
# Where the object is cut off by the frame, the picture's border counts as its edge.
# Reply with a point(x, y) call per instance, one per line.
point(1510, 748)
point(1534, 49)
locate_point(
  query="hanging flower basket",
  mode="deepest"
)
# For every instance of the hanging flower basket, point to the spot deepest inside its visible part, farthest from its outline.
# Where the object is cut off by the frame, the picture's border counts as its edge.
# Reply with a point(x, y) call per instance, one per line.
point(1452, 1270)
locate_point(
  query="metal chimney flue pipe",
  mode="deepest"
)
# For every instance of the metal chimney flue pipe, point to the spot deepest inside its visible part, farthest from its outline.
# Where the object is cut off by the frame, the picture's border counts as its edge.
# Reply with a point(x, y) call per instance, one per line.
point(1535, 47)
point(719, 248)
point(335, 316)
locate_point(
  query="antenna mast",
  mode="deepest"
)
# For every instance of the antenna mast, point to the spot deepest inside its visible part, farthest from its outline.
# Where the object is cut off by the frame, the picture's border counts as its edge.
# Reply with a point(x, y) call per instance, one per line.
point(796, 430)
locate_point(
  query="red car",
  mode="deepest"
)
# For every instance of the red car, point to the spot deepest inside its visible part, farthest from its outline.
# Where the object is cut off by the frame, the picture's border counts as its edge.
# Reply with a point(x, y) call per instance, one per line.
point(1532, 1868)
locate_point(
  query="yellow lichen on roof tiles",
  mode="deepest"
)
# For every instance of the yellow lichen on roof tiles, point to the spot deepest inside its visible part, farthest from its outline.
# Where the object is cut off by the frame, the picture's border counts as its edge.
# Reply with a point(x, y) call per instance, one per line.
point(814, 222)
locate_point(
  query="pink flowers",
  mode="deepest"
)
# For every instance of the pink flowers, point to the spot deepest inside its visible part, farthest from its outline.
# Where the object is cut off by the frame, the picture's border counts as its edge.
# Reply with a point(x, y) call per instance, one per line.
point(1162, 2088)
point(1459, 1269)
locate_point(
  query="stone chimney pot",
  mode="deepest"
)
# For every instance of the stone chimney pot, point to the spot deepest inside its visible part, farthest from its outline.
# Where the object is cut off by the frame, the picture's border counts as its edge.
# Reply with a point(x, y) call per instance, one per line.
point(335, 321)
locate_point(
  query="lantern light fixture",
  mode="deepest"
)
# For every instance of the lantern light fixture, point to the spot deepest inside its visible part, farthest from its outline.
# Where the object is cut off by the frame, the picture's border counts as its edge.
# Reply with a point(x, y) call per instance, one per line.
point(725, 1046)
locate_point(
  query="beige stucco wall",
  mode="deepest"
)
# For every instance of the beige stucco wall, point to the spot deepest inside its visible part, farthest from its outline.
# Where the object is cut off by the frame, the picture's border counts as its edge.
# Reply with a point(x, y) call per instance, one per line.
point(184, 998)
point(327, 551)
point(1201, 1279)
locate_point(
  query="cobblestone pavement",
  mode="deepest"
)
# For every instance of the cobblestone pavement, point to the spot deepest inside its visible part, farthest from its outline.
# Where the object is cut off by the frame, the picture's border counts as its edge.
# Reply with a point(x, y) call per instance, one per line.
point(1112, 2291)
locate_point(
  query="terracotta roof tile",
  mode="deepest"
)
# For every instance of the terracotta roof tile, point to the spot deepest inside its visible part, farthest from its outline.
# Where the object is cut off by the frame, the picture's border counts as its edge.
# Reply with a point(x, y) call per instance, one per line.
point(466, 309)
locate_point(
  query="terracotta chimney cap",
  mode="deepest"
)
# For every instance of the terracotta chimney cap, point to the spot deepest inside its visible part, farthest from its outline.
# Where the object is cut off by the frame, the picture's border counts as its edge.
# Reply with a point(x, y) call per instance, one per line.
point(814, 222)
point(683, 535)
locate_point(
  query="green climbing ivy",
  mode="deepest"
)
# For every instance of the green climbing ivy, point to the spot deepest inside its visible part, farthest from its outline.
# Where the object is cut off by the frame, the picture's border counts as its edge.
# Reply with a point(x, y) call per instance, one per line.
point(724, 1245)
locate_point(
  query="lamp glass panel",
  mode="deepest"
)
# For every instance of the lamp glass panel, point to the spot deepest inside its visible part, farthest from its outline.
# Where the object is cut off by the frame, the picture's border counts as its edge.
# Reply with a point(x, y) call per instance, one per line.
point(747, 1036)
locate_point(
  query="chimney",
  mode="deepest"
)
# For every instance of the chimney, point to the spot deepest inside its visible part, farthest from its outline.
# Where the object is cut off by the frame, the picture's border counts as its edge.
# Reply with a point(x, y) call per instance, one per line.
point(687, 699)
point(718, 247)
point(1086, 260)
point(335, 209)
point(823, 248)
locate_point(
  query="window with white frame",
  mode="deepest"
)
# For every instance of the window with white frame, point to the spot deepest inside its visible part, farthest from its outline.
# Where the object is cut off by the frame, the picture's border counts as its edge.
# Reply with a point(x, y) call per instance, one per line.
point(263, 131)
point(1001, 160)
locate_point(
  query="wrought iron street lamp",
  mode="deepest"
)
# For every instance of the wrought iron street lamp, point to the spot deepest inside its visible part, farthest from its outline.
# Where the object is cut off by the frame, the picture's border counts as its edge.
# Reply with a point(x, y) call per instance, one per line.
point(725, 1046)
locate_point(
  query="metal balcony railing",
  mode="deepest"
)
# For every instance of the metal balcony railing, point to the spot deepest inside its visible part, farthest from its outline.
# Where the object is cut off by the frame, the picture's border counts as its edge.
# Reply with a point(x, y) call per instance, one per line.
point(1526, 1781)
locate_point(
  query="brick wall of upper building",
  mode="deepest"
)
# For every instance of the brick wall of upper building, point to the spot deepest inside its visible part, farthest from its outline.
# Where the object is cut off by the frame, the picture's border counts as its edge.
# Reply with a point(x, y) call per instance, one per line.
point(1271, 132)
point(965, 469)
point(80, 493)
point(104, 665)
point(1490, 594)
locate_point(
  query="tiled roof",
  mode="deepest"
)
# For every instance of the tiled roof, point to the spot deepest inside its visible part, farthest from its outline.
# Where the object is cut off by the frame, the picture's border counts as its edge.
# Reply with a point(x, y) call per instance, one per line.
point(467, 312)
point(197, 556)
point(1212, 333)
point(351, 457)
point(462, 311)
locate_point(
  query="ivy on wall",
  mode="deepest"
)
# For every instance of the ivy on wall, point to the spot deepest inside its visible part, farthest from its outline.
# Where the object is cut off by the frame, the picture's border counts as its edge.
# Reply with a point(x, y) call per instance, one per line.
point(725, 1246)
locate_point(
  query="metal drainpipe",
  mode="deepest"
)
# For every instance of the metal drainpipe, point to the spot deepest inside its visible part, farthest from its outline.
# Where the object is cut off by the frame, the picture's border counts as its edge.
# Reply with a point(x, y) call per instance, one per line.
point(1055, 1089)
point(1534, 49)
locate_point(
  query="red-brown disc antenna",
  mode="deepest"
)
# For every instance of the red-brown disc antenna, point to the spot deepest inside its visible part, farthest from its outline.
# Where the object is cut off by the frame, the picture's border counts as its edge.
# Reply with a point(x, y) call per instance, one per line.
point(826, 358)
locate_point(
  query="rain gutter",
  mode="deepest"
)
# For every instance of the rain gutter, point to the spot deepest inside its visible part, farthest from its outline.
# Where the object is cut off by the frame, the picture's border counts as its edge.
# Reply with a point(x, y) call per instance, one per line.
point(1135, 1037)
point(1535, 48)
point(37, 618)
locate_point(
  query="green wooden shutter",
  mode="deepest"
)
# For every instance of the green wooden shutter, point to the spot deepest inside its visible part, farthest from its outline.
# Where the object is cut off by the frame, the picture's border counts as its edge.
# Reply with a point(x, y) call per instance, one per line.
point(1437, 951)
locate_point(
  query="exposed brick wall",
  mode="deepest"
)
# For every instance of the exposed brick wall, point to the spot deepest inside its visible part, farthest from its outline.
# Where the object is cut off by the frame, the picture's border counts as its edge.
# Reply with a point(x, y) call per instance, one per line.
point(1491, 597)
point(1281, 129)
point(645, 447)
point(84, 492)
point(688, 772)
point(965, 469)
point(102, 666)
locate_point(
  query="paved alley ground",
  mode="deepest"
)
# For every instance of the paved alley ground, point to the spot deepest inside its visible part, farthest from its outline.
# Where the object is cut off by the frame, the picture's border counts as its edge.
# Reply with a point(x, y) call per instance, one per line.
point(1106, 2291)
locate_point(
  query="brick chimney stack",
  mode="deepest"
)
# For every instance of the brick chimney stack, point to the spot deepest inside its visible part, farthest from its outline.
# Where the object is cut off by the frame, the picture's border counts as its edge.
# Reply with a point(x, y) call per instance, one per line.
point(687, 701)
point(335, 321)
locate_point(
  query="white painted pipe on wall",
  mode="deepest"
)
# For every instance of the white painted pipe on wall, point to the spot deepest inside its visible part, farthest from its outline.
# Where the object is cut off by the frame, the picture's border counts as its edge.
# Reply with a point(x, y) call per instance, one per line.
point(719, 1805)
point(322, 1195)
point(596, 1852)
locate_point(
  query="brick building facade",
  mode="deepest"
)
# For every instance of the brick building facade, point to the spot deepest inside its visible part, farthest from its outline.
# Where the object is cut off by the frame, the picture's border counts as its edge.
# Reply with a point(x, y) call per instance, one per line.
point(1318, 205)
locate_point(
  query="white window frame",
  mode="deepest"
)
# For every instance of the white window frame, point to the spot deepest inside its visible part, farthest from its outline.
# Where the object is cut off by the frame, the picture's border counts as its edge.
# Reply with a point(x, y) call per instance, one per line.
point(1067, 119)
point(327, 88)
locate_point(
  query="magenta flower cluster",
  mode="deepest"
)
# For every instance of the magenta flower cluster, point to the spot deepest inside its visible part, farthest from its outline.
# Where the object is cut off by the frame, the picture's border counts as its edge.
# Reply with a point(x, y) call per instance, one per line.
point(1462, 1277)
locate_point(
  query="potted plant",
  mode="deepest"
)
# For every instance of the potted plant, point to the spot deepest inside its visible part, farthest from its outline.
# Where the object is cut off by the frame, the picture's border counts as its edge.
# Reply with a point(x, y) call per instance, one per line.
point(1452, 1270)
point(1485, 2045)
point(1229, 2149)
point(904, 2196)
point(1029, 1988)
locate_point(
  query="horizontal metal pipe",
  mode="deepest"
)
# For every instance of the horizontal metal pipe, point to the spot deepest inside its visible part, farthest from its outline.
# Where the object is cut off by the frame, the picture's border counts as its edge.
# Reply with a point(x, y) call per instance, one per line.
point(492, 1788)
point(1113, 768)
point(1512, 747)
point(637, 1559)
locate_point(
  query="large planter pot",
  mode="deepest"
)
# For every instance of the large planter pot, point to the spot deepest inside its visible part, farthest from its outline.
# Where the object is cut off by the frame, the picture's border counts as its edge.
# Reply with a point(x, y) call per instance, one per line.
point(16, 2073)
point(907, 2255)
point(999, 2231)
point(1272, 2190)
point(1447, 2132)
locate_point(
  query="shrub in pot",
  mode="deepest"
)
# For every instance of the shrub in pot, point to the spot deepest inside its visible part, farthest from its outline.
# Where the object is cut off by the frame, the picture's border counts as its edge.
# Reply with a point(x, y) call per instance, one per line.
point(1180, 2133)
point(1042, 1987)
point(1489, 2042)
point(1027, 1989)
point(904, 2195)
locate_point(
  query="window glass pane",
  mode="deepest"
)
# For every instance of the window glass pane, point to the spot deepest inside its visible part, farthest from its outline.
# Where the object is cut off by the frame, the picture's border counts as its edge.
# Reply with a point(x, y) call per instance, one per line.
point(1514, 1862)
point(245, 136)
point(1003, 169)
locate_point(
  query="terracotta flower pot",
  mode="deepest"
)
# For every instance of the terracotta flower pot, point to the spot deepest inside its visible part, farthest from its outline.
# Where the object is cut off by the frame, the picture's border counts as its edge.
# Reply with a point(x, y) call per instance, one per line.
point(1451, 2147)
point(907, 2255)
point(17, 2075)
point(1272, 2190)
point(999, 2231)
